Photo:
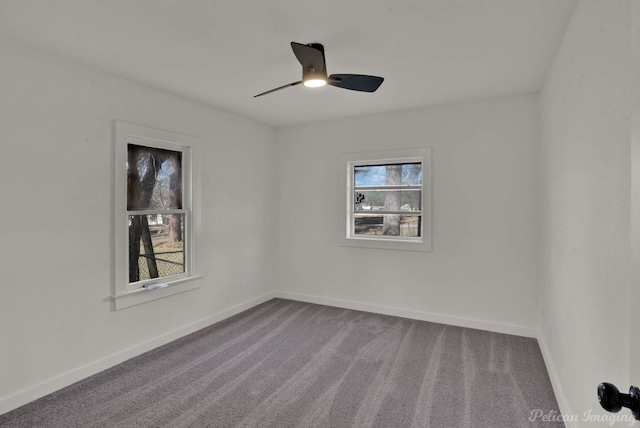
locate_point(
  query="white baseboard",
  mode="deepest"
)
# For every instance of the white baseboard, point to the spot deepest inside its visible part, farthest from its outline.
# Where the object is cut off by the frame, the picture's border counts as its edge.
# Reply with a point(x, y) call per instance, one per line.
point(563, 404)
point(411, 314)
point(34, 392)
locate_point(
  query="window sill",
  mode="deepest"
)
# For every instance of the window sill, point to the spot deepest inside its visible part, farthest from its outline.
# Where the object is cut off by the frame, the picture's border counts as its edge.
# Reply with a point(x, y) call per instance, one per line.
point(142, 295)
point(387, 244)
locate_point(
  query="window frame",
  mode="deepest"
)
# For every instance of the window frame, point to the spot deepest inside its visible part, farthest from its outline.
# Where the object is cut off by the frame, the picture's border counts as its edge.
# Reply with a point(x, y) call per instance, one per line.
point(128, 294)
point(348, 162)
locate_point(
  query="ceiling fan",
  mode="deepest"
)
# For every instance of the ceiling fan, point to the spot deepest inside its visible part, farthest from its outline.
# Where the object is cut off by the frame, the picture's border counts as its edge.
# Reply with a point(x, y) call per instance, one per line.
point(314, 72)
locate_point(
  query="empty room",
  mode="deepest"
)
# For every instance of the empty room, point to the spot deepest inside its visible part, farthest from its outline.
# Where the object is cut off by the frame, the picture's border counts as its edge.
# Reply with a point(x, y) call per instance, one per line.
point(421, 213)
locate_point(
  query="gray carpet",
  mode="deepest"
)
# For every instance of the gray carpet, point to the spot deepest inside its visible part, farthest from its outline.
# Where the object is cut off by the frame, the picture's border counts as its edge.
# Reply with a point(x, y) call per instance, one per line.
point(293, 364)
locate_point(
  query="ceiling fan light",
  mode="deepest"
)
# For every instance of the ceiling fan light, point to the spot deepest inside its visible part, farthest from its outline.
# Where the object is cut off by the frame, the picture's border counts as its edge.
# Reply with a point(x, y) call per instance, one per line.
point(314, 83)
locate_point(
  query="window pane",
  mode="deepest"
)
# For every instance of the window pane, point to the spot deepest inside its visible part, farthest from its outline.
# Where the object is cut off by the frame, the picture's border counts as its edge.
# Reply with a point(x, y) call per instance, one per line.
point(387, 224)
point(389, 200)
point(156, 246)
point(389, 174)
point(154, 178)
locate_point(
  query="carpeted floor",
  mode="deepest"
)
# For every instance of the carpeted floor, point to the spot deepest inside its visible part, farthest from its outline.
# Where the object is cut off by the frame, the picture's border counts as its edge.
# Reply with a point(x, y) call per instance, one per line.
point(292, 364)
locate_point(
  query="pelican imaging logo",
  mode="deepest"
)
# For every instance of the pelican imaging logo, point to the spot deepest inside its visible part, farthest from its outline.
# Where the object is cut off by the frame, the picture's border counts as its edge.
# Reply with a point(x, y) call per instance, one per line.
point(539, 415)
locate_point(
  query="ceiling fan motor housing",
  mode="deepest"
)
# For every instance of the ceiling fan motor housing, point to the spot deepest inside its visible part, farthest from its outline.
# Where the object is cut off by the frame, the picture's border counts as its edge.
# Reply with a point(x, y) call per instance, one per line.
point(311, 72)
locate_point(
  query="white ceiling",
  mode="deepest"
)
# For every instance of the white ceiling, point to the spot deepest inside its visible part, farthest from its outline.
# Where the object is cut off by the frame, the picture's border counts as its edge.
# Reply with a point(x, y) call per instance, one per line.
point(222, 52)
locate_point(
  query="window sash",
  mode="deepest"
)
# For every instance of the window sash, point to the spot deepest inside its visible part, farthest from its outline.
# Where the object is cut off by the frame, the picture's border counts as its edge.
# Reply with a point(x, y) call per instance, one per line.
point(147, 190)
point(156, 212)
point(186, 250)
point(373, 197)
point(398, 212)
point(186, 238)
point(185, 183)
point(351, 206)
point(390, 187)
point(361, 165)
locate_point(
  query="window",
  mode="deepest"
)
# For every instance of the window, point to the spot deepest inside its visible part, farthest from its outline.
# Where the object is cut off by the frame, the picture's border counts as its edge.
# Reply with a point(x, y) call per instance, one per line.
point(154, 213)
point(388, 199)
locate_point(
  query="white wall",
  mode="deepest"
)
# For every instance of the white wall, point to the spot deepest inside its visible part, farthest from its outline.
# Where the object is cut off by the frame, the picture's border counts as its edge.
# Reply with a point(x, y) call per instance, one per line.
point(483, 268)
point(56, 175)
point(489, 266)
point(585, 206)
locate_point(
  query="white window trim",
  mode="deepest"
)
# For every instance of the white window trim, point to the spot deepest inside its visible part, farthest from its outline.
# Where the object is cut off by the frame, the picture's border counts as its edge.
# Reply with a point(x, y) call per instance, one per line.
point(123, 295)
point(347, 162)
